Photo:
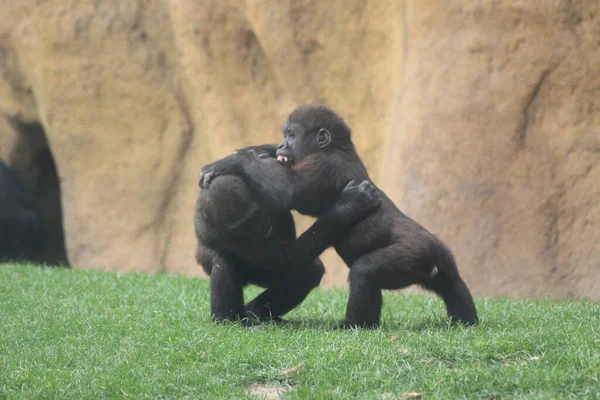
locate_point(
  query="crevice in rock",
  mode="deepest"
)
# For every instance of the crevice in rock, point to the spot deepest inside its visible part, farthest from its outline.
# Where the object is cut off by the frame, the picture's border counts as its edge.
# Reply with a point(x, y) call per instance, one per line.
point(163, 213)
point(33, 162)
point(529, 100)
point(184, 147)
point(532, 98)
point(552, 213)
point(48, 197)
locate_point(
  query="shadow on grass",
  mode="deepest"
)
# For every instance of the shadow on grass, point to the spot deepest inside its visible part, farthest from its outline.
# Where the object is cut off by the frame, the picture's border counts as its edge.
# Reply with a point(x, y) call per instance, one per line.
point(424, 325)
point(333, 325)
point(312, 323)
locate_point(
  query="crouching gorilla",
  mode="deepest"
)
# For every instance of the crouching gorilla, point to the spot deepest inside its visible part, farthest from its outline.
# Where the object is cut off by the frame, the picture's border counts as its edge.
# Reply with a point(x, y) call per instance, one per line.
point(243, 238)
point(22, 232)
point(385, 250)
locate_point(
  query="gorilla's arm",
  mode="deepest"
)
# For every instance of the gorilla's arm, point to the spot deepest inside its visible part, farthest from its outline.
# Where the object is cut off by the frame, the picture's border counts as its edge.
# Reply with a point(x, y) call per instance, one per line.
point(272, 182)
point(275, 186)
point(355, 203)
point(310, 187)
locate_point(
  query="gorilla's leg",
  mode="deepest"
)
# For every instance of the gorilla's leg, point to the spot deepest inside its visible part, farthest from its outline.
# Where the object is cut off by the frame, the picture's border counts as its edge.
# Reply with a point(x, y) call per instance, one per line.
point(365, 300)
point(381, 269)
point(226, 290)
point(397, 268)
point(456, 296)
point(286, 293)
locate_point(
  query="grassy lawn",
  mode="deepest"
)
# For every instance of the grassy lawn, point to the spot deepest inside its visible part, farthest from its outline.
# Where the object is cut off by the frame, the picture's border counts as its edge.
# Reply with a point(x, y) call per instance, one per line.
point(85, 334)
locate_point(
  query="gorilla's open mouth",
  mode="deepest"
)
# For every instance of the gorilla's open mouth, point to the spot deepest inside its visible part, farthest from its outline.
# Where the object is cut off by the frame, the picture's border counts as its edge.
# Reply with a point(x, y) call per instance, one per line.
point(285, 160)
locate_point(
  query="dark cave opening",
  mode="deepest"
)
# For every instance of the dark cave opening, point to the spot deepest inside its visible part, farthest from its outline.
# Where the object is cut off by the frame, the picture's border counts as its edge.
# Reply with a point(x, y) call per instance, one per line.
point(47, 196)
point(33, 162)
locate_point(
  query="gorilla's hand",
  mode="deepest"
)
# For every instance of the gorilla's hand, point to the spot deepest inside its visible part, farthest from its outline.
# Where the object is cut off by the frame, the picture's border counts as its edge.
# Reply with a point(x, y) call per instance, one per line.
point(233, 163)
point(229, 165)
point(206, 175)
point(358, 200)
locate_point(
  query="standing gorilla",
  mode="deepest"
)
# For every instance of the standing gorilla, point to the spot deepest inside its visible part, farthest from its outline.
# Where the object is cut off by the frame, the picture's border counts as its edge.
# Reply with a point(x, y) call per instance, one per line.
point(22, 232)
point(245, 238)
point(386, 250)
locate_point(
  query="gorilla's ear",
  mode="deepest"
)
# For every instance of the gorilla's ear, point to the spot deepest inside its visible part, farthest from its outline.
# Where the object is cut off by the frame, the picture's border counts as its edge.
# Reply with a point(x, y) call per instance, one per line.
point(323, 138)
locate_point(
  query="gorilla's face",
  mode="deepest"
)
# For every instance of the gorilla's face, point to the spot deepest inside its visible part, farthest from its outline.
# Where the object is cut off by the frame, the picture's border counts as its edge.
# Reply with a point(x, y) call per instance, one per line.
point(310, 129)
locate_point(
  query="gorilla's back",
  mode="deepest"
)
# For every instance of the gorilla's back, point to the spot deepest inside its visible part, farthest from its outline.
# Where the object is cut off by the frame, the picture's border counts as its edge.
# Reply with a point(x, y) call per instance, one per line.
point(224, 204)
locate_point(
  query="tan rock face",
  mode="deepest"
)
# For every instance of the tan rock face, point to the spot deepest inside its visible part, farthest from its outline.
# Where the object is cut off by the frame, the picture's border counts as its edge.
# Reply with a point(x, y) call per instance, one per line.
point(481, 120)
point(496, 141)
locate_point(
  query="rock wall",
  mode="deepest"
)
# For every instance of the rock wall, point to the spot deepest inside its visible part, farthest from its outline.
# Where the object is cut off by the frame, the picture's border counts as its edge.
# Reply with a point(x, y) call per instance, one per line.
point(497, 134)
point(481, 119)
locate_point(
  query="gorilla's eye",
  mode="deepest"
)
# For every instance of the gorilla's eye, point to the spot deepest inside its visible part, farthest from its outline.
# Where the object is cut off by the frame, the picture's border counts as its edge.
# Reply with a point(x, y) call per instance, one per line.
point(291, 135)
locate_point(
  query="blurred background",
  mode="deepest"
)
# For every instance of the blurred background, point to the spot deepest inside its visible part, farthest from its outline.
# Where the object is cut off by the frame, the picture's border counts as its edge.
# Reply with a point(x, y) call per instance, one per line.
point(481, 119)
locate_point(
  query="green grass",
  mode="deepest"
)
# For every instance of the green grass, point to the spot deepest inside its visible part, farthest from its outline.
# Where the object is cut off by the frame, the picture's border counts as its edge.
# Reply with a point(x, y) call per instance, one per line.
point(84, 334)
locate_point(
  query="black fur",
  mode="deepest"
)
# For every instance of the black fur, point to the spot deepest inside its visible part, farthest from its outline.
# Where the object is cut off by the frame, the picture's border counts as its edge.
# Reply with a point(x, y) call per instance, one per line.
point(22, 232)
point(385, 250)
point(243, 238)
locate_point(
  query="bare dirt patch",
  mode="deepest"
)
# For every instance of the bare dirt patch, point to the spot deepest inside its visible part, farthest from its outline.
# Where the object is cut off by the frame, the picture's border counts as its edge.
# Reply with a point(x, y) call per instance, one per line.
point(268, 391)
